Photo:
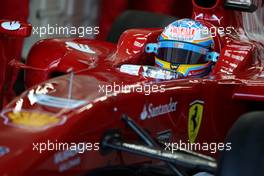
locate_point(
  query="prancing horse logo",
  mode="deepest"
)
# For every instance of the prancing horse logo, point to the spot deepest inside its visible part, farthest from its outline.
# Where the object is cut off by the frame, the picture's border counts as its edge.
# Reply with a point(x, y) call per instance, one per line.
point(194, 119)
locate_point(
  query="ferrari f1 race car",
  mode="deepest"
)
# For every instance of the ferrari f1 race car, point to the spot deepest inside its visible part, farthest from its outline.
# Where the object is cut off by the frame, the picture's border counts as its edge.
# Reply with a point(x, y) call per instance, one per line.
point(94, 107)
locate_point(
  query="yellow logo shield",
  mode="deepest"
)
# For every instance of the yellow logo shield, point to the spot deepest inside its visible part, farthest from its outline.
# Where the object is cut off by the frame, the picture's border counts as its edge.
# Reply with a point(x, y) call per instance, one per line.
point(194, 119)
point(31, 120)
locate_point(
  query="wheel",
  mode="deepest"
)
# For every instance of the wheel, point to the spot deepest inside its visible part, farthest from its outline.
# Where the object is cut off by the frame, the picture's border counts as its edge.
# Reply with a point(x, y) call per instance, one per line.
point(247, 141)
point(137, 19)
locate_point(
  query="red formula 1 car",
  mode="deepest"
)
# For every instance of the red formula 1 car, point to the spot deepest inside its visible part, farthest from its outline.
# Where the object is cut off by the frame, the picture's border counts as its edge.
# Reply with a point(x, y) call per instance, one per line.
point(83, 114)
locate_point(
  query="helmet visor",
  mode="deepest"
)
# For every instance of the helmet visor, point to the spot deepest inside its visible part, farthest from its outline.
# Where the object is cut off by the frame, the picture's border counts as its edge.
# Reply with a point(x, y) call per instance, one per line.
point(181, 56)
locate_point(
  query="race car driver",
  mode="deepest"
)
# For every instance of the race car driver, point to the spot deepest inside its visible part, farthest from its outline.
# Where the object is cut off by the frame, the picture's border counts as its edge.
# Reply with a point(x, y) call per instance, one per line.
point(184, 49)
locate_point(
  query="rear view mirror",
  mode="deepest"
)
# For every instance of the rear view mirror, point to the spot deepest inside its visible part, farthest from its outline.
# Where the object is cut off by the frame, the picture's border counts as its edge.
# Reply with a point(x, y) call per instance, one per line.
point(241, 5)
point(15, 28)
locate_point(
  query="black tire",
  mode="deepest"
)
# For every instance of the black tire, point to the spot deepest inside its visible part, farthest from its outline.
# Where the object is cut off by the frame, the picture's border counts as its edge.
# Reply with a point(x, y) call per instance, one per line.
point(246, 157)
point(137, 19)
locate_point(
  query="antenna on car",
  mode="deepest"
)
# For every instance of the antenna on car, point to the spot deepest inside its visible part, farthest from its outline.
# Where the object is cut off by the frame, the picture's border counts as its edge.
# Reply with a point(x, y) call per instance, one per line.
point(70, 82)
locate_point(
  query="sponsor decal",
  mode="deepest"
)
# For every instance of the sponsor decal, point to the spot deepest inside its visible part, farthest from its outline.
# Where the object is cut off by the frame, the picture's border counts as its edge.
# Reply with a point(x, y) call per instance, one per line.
point(31, 119)
point(164, 136)
point(212, 18)
point(80, 47)
point(194, 119)
point(3, 150)
point(67, 159)
point(58, 102)
point(151, 111)
point(11, 25)
point(185, 32)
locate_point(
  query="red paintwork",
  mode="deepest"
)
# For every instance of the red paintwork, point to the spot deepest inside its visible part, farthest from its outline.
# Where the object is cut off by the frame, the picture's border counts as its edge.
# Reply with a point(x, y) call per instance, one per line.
point(234, 85)
point(12, 10)
point(9, 45)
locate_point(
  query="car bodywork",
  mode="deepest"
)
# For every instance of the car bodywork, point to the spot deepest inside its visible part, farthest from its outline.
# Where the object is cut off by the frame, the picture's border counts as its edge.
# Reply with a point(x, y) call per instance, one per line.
point(79, 107)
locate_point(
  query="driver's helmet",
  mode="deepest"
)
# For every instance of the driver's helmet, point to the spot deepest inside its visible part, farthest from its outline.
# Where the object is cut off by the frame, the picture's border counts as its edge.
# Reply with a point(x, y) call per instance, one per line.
point(185, 47)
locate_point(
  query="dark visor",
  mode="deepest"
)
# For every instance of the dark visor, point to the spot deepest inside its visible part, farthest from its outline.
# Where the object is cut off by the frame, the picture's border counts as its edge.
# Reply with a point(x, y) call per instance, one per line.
point(181, 56)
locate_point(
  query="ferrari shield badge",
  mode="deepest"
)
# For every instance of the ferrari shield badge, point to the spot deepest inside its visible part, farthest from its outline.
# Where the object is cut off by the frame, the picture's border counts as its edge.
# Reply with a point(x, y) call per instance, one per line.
point(194, 119)
point(31, 119)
